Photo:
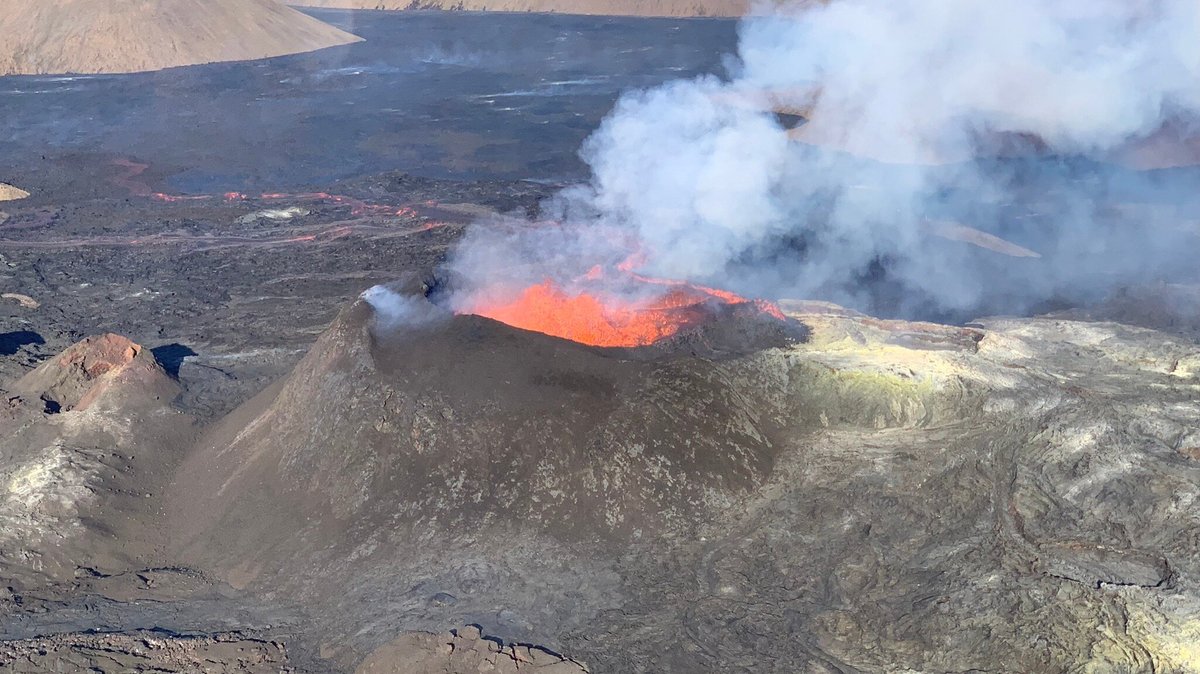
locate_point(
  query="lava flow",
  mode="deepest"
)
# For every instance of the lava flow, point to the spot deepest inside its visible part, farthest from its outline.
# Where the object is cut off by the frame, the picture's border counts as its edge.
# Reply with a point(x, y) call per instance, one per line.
point(128, 178)
point(600, 317)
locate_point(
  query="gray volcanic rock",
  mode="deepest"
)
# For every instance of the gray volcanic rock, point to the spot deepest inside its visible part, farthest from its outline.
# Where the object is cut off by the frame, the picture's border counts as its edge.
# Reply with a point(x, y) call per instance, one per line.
point(882, 496)
point(142, 652)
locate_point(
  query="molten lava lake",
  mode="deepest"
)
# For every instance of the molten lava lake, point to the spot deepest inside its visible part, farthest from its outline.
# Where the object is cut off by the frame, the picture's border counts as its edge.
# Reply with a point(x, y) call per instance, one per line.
point(601, 317)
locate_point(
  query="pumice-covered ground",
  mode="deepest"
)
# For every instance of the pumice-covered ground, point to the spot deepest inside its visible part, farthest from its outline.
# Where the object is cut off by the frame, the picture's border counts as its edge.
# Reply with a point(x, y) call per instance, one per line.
point(242, 468)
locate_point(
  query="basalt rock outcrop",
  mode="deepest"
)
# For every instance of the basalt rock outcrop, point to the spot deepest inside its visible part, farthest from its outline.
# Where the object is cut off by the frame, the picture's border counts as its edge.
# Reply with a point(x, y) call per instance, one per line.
point(146, 651)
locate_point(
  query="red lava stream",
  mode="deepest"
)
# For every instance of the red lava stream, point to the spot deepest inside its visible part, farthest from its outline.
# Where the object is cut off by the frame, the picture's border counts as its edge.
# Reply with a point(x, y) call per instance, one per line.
point(322, 234)
point(364, 222)
point(127, 179)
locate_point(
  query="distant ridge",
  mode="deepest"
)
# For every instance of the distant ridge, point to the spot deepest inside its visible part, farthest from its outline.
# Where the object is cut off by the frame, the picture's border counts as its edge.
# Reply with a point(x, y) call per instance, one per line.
point(40, 37)
point(648, 8)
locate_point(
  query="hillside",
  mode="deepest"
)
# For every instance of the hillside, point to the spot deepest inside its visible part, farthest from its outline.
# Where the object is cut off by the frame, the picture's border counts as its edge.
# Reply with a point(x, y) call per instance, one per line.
point(119, 36)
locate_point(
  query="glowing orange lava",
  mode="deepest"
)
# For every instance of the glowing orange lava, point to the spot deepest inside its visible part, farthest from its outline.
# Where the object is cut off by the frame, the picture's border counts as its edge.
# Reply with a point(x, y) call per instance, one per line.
point(602, 319)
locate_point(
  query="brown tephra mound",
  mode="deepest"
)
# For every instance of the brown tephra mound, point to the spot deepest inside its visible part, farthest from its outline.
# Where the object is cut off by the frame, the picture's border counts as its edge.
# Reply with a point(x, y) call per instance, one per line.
point(10, 193)
point(459, 652)
point(121, 36)
point(90, 369)
point(663, 8)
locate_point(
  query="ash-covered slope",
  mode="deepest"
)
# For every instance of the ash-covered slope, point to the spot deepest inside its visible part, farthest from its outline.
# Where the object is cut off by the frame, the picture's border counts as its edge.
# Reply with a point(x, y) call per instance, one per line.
point(881, 496)
point(120, 36)
point(649, 8)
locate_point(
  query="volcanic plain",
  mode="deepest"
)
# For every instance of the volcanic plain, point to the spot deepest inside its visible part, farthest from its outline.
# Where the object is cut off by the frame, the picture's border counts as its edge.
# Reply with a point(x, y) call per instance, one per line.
point(270, 477)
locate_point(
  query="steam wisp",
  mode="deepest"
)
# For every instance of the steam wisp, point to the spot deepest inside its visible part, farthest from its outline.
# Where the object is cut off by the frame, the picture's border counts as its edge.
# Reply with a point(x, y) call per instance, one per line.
point(396, 310)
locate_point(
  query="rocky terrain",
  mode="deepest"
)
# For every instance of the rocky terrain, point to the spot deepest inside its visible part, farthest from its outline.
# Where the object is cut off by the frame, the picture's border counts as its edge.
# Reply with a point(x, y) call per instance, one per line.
point(99, 36)
point(216, 457)
point(143, 652)
point(463, 650)
point(85, 435)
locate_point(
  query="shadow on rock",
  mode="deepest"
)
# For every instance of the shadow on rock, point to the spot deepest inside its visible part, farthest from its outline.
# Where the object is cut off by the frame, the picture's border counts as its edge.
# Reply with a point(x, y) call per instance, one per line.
point(11, 342)
point(171, 357)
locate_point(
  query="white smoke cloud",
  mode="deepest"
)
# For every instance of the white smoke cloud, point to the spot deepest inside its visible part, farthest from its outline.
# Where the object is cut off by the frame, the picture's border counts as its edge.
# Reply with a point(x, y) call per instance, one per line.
point(907, 78)
point(902, 98)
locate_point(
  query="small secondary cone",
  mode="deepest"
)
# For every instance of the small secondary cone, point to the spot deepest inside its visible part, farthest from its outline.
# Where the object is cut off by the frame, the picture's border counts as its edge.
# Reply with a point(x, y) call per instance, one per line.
point(121, 36)
point(84, 440)
point(96, 368)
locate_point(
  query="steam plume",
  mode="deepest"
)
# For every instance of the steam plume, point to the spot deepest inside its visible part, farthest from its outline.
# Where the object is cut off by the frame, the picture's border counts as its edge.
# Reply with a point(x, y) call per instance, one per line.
point(926, 119)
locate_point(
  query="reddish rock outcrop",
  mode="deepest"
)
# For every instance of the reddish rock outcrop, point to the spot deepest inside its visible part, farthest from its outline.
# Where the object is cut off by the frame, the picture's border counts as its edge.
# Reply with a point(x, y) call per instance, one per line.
point(94, 368)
